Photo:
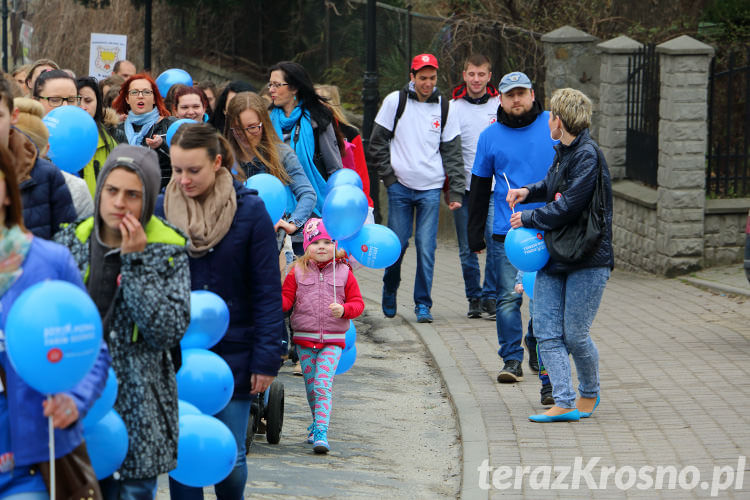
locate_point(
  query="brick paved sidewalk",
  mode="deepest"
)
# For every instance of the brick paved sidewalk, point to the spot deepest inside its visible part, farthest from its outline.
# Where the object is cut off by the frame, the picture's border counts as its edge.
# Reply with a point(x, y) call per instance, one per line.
point(674, 362)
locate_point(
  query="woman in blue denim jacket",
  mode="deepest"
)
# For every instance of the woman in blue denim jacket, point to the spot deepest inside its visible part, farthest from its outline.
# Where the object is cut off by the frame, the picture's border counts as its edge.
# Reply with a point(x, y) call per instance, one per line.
point(567, 296)
point(26, 260)
point(259, 150)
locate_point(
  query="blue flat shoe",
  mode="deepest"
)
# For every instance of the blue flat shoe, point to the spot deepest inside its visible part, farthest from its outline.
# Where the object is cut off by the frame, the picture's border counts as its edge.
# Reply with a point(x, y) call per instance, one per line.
point(587, 414)
point(571, 416)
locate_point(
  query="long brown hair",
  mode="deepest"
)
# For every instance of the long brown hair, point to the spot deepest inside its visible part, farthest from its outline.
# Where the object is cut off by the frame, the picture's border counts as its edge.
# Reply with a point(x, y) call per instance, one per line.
point(121, 105)
point(14, 210)
point(266, 151)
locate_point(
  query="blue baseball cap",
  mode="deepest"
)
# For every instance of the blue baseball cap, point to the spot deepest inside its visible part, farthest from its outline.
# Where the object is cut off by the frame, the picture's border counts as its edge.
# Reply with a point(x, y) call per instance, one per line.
point(513, 80)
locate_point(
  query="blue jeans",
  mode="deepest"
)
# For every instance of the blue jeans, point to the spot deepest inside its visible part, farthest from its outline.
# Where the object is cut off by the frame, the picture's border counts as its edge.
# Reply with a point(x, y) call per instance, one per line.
point(469, 260)
point(566, 307)
point(508, 309)
point(235, 415)
point(403, 202)
point(128, 489)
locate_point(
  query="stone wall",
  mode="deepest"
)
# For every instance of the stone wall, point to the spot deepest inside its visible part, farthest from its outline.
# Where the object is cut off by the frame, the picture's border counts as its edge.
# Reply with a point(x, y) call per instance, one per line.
point(724, 231)
point(634, 226)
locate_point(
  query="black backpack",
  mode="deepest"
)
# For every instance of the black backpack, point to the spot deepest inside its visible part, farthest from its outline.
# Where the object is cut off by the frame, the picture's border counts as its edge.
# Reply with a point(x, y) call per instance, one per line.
point(402, 105)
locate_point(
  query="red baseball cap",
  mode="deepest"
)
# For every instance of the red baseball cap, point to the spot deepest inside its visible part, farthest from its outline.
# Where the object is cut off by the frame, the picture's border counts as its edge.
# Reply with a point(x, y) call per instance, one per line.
point(423, 60)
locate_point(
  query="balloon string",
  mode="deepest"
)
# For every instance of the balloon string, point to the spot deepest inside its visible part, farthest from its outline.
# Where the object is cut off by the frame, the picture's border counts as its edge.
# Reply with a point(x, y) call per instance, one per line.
point(334, 271)
point(508, 183)
point(51, 453)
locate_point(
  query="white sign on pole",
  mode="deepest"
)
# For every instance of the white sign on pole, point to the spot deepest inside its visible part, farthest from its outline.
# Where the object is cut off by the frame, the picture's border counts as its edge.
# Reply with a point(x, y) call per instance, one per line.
point(105, 51)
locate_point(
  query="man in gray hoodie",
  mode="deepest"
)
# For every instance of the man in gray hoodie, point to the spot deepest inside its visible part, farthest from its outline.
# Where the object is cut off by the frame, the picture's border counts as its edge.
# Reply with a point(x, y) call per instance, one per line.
point(136, 269)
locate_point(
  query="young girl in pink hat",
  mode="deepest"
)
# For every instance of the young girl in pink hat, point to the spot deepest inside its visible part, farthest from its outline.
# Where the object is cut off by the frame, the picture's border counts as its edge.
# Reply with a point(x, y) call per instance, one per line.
point(325, 296)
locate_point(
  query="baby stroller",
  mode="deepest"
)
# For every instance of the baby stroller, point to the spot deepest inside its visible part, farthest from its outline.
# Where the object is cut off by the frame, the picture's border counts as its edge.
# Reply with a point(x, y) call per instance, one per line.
point(266, 415)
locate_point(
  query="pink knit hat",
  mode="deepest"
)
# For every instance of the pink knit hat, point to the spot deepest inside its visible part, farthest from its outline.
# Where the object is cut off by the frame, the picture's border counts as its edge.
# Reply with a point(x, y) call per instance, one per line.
point(314, 230)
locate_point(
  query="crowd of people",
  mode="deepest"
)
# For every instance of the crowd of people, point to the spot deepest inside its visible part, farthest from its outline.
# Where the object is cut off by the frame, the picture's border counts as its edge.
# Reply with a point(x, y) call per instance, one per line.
point(145, 222)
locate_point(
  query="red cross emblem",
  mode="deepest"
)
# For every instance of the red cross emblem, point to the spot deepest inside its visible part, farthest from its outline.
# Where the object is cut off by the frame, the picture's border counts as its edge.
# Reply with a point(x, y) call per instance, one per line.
point(436, 124)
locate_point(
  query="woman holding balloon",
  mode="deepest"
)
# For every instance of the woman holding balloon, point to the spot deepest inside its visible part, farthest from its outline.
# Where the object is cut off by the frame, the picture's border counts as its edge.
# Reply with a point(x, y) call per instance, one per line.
point(147, 118)
point(567, 294)
point(24, 411)
point(302, 120)
point(233, 254)
point(136, 270)
point(258, 149)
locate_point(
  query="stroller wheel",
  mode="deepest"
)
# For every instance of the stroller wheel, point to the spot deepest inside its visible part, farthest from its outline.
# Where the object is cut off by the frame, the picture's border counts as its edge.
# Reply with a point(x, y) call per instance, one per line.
point(274, 412)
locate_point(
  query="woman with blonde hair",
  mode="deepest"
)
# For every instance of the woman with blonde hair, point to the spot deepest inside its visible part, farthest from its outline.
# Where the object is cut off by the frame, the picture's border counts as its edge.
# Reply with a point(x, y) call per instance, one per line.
point(567, 292)
point(259, 150)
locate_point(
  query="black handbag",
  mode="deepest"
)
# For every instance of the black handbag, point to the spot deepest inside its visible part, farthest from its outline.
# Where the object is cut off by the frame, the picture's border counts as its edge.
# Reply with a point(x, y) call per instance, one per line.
point(75, 478)
point(579, 240)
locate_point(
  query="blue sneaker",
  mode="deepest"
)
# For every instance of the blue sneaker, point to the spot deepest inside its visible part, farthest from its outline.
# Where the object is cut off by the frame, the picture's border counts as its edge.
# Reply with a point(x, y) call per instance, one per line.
point(389, 303)
point(311, 433)
point(320, 444)
point(423, 313)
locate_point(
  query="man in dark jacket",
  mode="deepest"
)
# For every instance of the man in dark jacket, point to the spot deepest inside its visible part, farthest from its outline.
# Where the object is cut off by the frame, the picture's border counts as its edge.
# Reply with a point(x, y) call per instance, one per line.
point(518, 146)
point(413, 160)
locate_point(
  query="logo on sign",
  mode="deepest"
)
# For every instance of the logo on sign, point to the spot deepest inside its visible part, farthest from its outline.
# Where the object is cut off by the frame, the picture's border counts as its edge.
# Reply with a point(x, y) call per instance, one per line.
point(54, 355)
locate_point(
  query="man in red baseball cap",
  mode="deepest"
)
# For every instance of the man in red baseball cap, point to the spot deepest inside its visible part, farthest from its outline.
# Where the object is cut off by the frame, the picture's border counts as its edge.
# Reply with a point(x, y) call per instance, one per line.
point(413, 160)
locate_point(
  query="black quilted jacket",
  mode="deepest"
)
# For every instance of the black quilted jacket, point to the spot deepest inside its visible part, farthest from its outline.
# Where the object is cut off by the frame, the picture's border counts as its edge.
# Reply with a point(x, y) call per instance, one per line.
point(579, 163)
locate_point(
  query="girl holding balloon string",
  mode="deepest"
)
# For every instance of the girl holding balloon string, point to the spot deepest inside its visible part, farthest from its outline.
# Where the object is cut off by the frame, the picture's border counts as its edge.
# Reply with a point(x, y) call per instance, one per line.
point(325, 296)
point(26, 260)
point(232, 253)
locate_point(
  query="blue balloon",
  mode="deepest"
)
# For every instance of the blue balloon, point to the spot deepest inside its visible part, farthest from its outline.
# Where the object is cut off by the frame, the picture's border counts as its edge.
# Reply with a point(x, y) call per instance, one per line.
point(185, 408)
point(348, 357)
point(525, 249)
point(344, 211)
point(344, 177)
point(73, 137)
point(374, 246)
point(104, 404)
point(206, 451)
point(273, 193)
point(209, 320)
point(528, 283)
point(172, 130)
point(171, 77)
point(205, 380)
point(351, 336)
point(53, 334)
point(107, 444)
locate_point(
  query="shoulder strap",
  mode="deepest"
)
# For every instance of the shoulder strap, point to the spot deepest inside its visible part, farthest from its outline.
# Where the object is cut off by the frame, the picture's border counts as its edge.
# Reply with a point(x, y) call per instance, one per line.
point(444, 103)
point(399, 109)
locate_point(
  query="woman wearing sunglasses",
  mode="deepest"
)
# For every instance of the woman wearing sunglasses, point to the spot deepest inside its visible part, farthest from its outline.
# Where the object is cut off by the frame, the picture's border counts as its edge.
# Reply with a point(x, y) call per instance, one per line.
point(147, 119)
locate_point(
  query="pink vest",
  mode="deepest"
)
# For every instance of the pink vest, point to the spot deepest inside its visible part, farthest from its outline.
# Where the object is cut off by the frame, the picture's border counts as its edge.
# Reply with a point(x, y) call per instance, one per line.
point(311, 319)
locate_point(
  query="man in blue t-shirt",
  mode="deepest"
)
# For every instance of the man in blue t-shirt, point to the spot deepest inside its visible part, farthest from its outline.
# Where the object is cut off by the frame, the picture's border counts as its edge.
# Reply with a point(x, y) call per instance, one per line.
point(519, 146)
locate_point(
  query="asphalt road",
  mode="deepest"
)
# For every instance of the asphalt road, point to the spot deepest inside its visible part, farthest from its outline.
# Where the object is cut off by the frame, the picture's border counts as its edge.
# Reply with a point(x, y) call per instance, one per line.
point(392, 434)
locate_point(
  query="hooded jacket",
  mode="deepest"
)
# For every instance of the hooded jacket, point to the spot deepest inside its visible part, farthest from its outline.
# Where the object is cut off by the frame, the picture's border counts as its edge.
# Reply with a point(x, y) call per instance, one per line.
point(148, 314)
point(46, 200)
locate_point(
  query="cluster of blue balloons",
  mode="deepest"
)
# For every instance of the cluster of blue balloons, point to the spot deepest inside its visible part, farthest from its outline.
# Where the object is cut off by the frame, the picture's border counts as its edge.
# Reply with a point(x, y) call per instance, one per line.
point(344, 214)
point(206, 449)
point(53, 337)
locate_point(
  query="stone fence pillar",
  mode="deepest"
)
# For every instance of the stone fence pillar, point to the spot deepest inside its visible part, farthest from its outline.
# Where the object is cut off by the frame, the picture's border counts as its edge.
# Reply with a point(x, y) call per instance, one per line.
point(681, 195)
point(613, 89)
point(572, 61)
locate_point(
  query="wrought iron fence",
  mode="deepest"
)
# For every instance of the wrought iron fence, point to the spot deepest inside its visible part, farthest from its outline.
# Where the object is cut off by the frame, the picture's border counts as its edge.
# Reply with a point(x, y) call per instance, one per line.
point(642, 123)
point(727, 169)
